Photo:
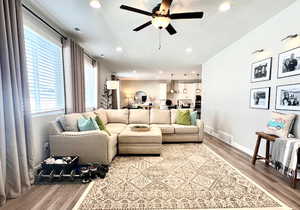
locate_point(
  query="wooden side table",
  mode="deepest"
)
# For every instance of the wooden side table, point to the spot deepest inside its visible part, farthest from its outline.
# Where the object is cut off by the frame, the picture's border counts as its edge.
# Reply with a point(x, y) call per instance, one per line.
point(269, 139)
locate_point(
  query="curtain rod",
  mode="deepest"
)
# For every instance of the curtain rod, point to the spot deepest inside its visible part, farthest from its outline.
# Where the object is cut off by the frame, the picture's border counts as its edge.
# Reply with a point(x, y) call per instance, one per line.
point(90, 57)
point(51, 27)
point(45, 22)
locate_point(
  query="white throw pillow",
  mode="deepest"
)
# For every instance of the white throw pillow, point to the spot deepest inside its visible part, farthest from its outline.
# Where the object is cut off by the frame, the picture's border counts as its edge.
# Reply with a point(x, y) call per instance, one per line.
point(280, 124)
point(69, 121)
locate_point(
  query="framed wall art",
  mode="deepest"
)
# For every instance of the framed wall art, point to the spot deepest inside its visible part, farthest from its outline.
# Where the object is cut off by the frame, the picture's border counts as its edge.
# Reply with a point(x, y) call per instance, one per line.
point(260, 98)
point(261, 70)
point(289, 63)
point(288, 97)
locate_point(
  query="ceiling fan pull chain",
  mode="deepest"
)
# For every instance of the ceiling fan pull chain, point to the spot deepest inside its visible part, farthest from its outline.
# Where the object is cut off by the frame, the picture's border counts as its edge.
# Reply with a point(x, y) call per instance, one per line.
point(159, 39)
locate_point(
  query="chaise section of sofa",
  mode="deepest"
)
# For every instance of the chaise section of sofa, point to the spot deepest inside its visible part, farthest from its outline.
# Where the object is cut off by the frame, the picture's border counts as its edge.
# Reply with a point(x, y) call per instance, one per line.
point(90, 146)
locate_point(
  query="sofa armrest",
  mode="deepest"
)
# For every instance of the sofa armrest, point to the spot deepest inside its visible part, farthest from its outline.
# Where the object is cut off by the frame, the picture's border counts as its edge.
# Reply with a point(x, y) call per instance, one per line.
point(90, 146)
point(55, 128)
point(200, 125)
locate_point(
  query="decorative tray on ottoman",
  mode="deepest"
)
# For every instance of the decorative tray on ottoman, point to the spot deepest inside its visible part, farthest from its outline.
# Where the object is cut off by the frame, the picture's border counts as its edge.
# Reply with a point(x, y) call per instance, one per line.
point(140, 128)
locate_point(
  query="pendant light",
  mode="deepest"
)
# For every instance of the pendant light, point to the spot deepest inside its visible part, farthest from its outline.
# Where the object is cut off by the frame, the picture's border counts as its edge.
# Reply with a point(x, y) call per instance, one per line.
point(172, 90)
point(184, 89)
point(198, 90)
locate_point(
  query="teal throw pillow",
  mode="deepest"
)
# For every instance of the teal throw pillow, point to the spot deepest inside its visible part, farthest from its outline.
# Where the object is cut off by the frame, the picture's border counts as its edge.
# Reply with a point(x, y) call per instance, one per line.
point(194, 118)
point(87, 124)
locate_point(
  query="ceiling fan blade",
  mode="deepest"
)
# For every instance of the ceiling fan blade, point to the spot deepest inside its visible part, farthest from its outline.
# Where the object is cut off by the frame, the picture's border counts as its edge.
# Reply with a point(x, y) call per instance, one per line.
point(171, 29)
point(131, 9)
point(189, 15)
point(165, 7)
point(143, 26)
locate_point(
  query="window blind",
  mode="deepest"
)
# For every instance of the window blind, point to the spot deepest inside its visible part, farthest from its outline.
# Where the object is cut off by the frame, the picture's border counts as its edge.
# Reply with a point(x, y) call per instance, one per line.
point(45, 73)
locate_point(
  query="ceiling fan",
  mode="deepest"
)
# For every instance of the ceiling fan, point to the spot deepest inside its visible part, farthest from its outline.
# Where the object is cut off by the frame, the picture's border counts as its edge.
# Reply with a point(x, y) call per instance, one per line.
point(161, 17)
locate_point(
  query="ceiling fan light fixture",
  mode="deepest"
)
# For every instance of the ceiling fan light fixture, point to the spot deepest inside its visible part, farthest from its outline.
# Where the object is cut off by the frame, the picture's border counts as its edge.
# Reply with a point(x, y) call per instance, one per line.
point(161, 22)
point(95, 4)
point(225, 6)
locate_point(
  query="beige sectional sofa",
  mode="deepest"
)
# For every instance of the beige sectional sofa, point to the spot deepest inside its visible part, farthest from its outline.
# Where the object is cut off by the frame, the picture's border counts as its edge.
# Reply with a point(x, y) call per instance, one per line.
point(98, 146)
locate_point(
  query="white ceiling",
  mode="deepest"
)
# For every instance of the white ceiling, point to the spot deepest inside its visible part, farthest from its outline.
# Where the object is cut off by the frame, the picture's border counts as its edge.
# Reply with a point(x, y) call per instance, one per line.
point(104, 29)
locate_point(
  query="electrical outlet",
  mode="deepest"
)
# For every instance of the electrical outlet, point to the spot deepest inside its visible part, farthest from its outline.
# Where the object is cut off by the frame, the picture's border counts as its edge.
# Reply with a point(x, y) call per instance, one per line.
point(46, 148)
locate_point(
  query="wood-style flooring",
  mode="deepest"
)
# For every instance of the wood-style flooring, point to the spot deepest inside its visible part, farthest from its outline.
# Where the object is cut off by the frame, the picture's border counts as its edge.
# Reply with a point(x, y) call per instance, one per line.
point(64, 196)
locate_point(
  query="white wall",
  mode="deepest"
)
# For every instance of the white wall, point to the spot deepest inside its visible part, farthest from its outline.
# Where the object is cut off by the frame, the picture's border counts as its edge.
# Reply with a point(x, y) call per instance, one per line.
point(40, 138)
point(226, 80)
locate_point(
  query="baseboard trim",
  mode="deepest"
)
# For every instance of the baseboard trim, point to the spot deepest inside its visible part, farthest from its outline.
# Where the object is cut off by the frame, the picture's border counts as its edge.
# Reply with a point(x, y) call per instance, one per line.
point(228, 139)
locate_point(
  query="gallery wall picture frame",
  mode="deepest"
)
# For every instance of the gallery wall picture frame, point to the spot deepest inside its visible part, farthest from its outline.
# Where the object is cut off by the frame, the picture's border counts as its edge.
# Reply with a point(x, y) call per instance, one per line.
point(260, 98)
point(289, 63)
point(288, 97)
point(261, 70)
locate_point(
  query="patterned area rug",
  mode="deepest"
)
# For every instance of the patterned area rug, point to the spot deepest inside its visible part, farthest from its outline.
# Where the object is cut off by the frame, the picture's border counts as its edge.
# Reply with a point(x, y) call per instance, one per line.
point(185, 176)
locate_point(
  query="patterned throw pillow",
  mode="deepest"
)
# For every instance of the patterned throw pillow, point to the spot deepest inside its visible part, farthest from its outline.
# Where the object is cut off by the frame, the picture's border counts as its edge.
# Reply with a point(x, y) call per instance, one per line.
point(280, 124)
point(87, 124)
point(183, 117)
point(101, 125)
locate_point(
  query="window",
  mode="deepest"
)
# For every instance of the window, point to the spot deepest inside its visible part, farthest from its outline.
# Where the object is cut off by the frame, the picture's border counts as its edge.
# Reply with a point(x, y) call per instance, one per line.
point(90, 76)
point(45, 73)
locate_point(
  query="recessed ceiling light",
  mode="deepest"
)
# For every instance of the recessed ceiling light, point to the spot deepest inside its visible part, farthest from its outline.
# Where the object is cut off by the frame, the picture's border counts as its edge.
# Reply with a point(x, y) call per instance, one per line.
point(95, 4)
point(193, 72)
point(188, 50)
point(119, 49)
point(134, 72)
point(161, 72)
point(225, 6)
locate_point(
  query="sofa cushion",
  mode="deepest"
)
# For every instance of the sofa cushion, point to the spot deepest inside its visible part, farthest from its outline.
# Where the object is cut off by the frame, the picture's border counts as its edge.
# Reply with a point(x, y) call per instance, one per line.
point(69, 122)
point(139, 116)
point(117, 115)
point(116, 128)
point(102, 114)
point(184, 129)
point(165, 128)
point(174, 113)
point(158, 116)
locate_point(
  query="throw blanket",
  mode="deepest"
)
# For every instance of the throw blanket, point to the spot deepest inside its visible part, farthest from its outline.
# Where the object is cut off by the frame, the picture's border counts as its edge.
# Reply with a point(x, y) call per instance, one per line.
point(284, 154)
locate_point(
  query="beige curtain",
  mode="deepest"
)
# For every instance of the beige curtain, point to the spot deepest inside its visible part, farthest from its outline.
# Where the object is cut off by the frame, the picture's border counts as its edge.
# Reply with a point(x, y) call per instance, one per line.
point(77, 64)
point(15, 120)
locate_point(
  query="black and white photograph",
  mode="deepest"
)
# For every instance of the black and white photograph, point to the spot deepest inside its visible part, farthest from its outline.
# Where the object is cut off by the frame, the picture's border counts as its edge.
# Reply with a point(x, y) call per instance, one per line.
point(261, 70)
point(260, 98)
point(289, 63)
point(288, 97)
